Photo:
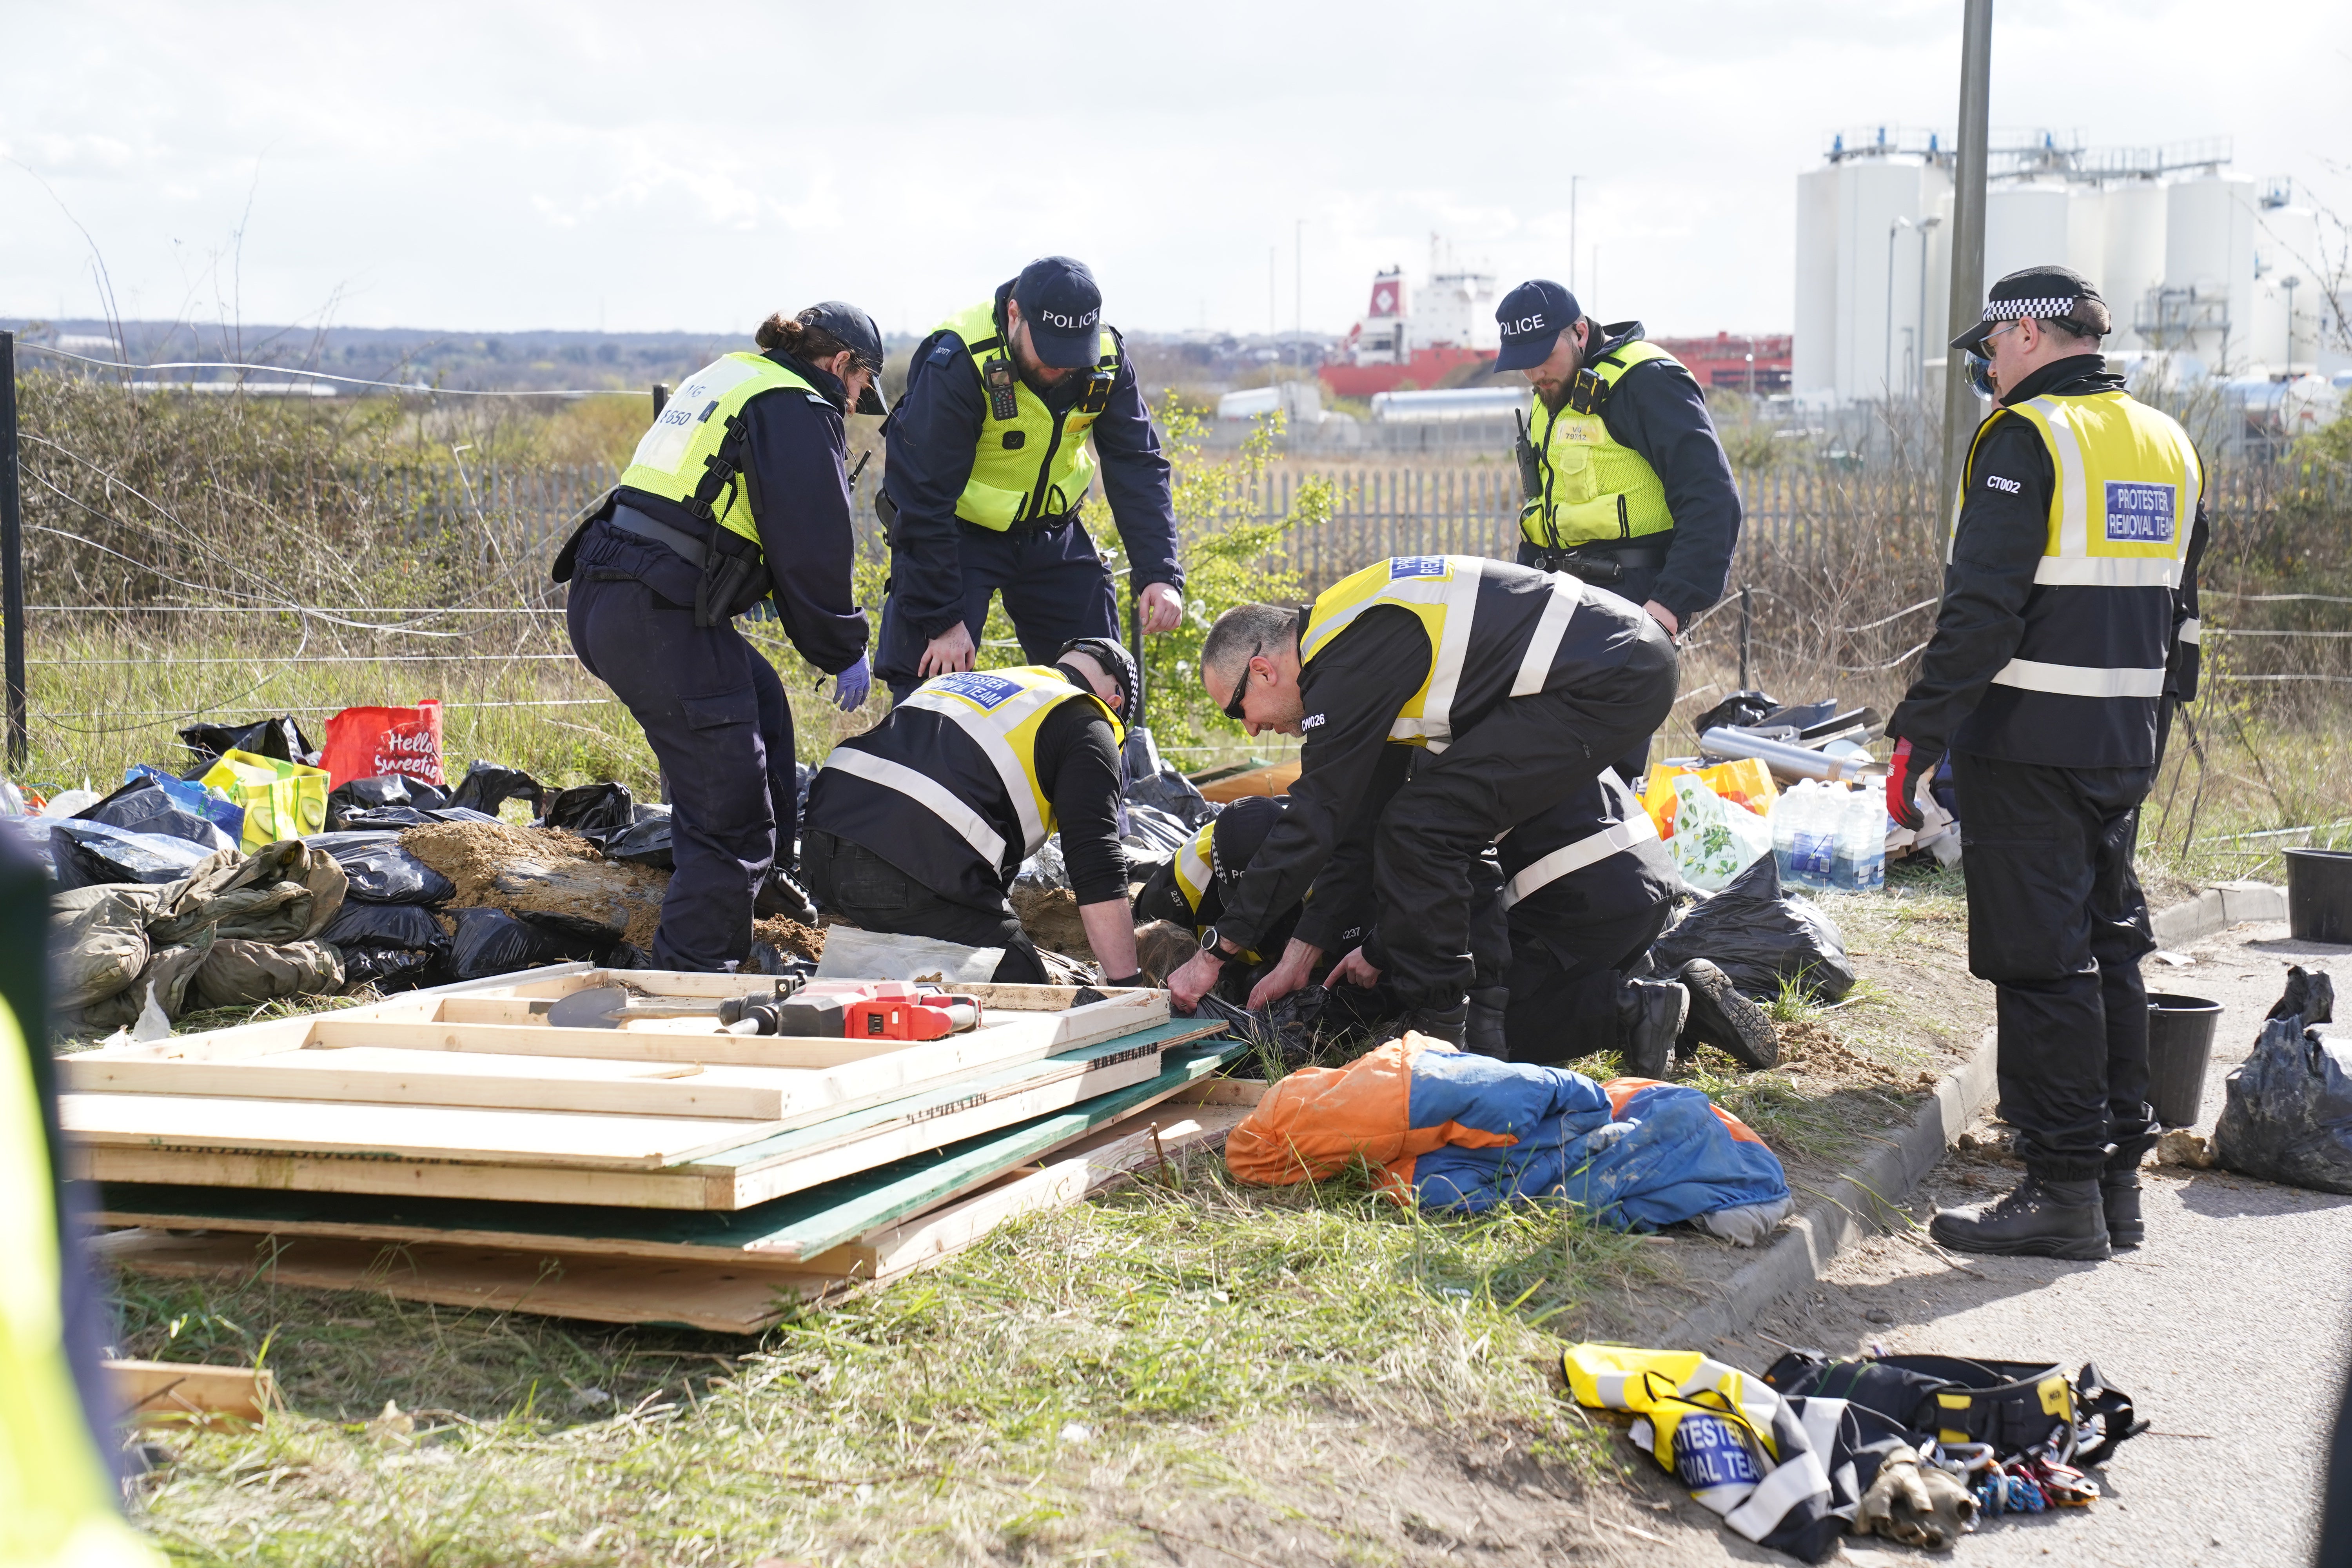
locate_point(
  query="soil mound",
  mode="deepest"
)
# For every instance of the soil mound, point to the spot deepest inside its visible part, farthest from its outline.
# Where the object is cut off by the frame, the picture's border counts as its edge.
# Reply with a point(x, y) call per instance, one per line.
point(542, 871)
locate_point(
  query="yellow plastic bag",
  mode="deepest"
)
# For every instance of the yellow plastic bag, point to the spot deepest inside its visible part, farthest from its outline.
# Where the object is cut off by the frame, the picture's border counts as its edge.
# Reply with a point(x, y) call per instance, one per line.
point(1747, 780)
point(281, 800)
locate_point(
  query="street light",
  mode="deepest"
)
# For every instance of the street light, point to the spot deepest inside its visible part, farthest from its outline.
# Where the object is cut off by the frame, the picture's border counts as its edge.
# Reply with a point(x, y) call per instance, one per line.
point(1919, 385)
point(1886, 378)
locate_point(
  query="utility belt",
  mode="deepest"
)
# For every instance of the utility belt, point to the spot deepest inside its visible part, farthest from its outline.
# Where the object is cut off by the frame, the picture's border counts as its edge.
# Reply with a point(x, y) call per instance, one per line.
point(2016, 1408)
point(1602, 563)
point(734, 575)
point(887, 510)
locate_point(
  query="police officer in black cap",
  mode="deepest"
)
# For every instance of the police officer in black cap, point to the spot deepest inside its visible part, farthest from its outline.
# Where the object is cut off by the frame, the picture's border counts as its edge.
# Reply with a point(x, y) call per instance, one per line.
point(1624, 481)
point(2069, 621)
point(1012, 409)
point(738, 495)
point(919, 825)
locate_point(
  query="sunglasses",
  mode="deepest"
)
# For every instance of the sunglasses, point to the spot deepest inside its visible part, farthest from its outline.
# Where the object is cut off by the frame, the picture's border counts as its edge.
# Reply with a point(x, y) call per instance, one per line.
point(1241, 687)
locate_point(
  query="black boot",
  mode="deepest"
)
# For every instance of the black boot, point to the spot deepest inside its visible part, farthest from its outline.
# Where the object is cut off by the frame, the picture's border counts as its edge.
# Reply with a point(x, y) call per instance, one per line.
point(1720, 1016)
point(2041, 1219)
point(1650, 1014)
point(2119, 1196)
point(1448, 1024)
point(1483, 1031)
point(780, 894)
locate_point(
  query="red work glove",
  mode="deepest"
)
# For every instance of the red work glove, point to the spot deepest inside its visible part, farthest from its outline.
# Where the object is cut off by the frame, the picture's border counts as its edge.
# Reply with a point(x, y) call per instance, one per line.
point(1911, 770)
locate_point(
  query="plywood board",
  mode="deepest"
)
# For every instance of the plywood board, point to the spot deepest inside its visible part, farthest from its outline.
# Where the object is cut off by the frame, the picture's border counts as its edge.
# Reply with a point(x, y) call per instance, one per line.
point(153, 1393)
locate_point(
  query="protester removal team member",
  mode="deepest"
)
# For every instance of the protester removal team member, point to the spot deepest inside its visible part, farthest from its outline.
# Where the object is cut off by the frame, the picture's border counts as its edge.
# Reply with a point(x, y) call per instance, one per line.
point(919, 825)
point(1010, 407)
point(2069, 611)
point(1625, 482)
point(1501, 690)
point(736, 494)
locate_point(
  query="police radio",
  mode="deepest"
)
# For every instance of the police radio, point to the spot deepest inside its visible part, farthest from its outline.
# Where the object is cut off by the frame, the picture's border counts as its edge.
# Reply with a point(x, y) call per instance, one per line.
point(1097, 395)
point(998, 378)
point(1530, 472)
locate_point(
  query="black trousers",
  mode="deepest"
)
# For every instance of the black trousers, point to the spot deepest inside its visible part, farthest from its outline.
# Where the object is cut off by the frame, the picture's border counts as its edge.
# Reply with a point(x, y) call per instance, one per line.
point(1564, 986)
point(715, 716)
point(2058, 923)
point(861, 887)
point(1431, 864)
point(1056, 589)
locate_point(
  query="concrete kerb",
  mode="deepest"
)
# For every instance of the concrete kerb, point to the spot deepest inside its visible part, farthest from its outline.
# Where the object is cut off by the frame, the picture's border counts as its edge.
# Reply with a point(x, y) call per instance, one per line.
point(1883, 1178)
point(1875, 1186)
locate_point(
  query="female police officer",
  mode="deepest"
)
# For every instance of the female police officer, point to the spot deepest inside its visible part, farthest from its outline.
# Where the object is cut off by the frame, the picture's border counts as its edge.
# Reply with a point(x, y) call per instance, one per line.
point(738, 493)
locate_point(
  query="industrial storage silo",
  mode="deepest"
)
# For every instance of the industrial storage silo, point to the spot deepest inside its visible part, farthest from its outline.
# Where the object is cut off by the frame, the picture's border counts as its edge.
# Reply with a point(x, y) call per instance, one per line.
point(2209, 268)
point(2025, 225)
point(2133, 264)
point(2282, 336)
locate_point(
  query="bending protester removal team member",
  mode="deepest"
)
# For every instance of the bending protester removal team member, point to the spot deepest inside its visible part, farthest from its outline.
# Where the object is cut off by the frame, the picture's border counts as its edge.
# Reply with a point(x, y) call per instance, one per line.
point(1190, 890)
point(919, 825)
point(1588, 886)
point(738, 494)
point(1010, 409)
point(1625, 482)
point(2069, 613)
point(1501, 690)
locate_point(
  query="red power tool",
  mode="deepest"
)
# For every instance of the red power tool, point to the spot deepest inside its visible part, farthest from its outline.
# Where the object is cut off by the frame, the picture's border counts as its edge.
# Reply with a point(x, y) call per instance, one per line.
point(876, 1010)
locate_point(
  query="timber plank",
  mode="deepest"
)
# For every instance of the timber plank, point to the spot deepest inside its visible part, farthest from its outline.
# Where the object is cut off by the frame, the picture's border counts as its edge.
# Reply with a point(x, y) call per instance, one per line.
point(153, 1392)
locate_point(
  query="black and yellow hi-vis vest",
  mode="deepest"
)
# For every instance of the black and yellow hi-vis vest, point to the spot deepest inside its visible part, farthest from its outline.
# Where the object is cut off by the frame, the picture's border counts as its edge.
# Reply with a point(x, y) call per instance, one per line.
point(1494, 631)
point(1587, 486)
point(957, 767)
point(693, 454)
point(2099, 629)
point(1032, 461)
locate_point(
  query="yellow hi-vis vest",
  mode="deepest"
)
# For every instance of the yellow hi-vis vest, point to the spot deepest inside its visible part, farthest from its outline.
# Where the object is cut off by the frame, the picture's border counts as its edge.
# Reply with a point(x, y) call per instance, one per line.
point(2121, 512)
point(1037, 463)
point(1594, 488)
point(1447, 593)
point(56, 1497)
point(998, 711)
point(1195, 866)
point(694, 453)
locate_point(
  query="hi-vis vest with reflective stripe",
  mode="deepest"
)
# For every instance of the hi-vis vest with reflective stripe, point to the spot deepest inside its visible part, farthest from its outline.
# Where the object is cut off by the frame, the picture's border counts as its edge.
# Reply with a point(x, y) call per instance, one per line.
point(1486, 620)
point(56, 1496)
point(1195, 865)
point(680, 458)
point(1616, 838)
point(1037, 463)
point(1594, 488)
point(2121, 512)
point(999, 711)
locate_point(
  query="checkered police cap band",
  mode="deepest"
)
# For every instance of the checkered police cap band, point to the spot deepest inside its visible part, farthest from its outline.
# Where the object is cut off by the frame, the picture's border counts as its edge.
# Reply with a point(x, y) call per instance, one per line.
point(2016, 309)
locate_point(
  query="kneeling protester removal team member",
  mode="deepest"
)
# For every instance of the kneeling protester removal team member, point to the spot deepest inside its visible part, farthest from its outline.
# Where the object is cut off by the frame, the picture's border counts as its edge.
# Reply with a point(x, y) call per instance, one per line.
point(1500, 690)
point(738, 494)
point(918, 825)
point(2069, 614)
point(1588, 886)
point(1190, 890)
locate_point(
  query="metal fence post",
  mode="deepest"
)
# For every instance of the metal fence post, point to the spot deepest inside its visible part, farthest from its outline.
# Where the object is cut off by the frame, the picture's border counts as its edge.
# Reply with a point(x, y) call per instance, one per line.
point(1747, 637)
point(11, 554)
point(661, 398)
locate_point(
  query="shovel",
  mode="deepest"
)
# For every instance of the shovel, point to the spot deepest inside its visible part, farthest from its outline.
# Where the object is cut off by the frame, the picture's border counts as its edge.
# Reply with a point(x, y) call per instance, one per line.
point(609, 1006)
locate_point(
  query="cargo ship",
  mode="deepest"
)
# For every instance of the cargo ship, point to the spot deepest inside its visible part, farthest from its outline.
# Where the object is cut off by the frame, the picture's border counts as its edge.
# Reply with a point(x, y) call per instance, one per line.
point(1439, 340)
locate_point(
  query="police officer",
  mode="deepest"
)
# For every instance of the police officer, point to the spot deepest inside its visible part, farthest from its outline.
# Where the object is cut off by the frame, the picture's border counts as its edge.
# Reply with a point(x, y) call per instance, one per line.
point(2068, 612)
point(1191, 888)
point(1625, 482)
point(1500, 690)
point(919, 825)
point(738, 494)
point(990, 460)
point(1589, 888)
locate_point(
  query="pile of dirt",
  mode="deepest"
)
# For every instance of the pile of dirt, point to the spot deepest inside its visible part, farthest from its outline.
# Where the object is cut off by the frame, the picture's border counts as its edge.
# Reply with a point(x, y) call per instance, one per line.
point(789, 937)
point(1809, 1048)
point(536, 870)
point(1050, 916)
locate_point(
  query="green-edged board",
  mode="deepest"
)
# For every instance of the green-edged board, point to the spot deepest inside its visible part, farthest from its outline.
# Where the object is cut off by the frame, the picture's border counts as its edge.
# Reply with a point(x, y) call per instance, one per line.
point(787, 1230)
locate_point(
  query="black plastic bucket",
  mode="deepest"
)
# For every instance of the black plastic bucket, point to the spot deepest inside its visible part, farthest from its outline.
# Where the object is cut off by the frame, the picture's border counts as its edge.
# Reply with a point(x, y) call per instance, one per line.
point(2319, 895)
point(2179, 1044)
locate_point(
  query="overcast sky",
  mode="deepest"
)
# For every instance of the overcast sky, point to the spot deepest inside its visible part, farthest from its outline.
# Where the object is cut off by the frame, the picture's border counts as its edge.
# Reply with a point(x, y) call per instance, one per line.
point(506, 166)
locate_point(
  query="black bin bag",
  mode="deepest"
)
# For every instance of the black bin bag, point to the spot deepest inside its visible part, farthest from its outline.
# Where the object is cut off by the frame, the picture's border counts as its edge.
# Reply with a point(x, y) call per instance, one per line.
point(492, 941)
point(385, 873)
point(1760, 937)
point(144, 805)
point(2288, 1117)
point(594, 811)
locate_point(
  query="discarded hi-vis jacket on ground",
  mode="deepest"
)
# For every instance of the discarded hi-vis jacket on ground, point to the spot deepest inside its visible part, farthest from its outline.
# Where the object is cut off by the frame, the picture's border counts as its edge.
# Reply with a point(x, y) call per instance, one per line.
point(1785, 1473)
point(1453, 1130)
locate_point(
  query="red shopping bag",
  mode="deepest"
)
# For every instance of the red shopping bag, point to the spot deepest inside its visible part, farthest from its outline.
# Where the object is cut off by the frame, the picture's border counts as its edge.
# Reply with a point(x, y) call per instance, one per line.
point(370, 743)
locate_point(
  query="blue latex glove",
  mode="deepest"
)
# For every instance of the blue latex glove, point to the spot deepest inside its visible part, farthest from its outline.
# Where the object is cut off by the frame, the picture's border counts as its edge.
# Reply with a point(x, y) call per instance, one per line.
point(850, 686)
point(765, 610)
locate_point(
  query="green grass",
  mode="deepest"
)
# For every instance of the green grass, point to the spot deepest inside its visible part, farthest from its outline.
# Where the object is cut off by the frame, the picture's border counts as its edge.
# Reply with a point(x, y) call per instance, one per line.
point(1024, 1397)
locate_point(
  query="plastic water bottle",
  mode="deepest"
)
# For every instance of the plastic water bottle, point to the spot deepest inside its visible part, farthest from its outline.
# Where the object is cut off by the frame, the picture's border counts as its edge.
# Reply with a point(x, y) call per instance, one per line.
point(1860, 864)
point(1805, 822)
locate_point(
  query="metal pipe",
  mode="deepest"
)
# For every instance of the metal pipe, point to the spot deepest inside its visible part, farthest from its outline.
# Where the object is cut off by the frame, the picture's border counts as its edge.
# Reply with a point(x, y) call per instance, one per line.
point(1967, 234)
point(1747, 638)
point(1783, 759)
point(11, 554)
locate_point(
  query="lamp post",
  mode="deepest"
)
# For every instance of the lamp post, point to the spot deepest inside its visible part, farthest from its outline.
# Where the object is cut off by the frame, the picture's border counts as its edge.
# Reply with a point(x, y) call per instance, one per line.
point(1919, 385)
point(1886, 377)
point(1968, 232)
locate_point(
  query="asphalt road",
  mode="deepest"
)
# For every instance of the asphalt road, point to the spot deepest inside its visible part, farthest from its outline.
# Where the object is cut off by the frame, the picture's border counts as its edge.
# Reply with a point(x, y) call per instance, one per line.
point(2231, 1328)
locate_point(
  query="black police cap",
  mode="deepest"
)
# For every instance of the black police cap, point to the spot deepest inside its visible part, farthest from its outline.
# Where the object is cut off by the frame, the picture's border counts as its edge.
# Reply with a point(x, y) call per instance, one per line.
point(854, 331)
point(1064, 309)
point(1532, 317)
point(2045, 293)
point(1117, 663)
